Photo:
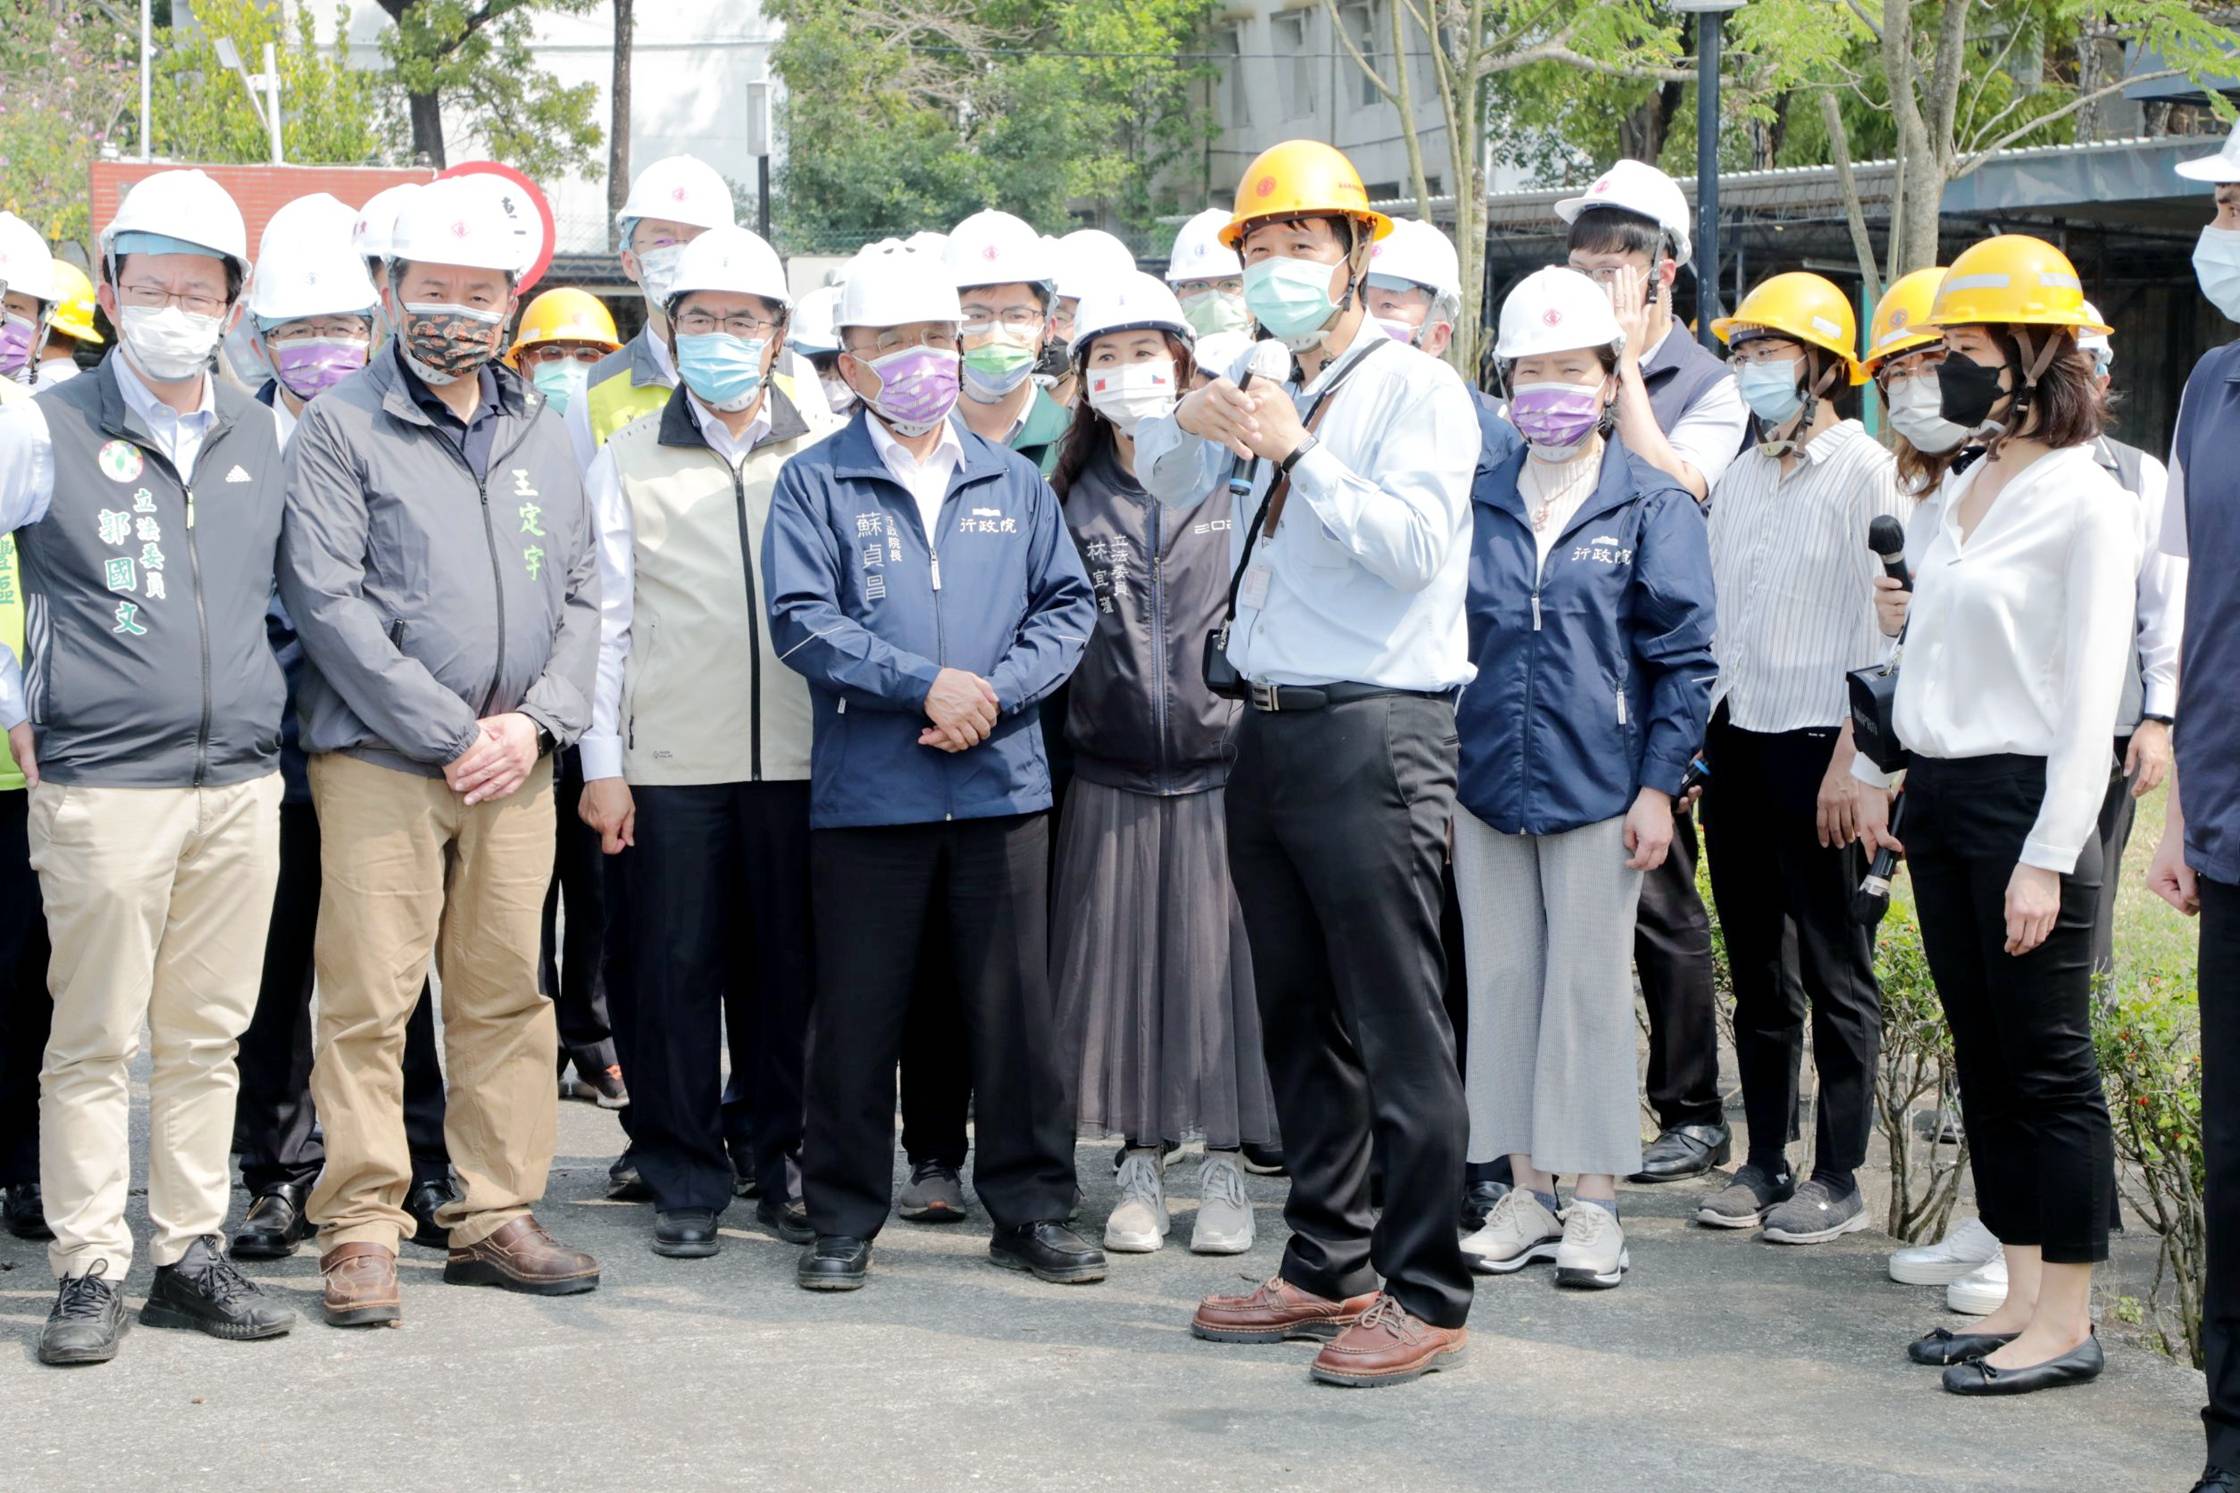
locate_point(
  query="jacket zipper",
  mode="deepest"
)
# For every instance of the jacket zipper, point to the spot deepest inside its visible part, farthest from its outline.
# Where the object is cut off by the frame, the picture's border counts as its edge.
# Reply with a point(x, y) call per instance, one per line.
point(1159, 649)
point(940, 656)
point(490, 537)
point(754, 631)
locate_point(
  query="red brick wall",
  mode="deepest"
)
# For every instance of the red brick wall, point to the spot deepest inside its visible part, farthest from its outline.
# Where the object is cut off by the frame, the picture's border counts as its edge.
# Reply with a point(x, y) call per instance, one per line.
point(259, 190)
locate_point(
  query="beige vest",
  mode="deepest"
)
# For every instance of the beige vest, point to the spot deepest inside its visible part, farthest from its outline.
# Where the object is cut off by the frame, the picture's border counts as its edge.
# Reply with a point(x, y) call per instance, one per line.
point(704, 697)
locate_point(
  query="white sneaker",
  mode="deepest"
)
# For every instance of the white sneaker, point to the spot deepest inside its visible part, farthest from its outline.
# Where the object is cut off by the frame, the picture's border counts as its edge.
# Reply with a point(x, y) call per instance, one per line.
point(1593, 1254)
point(1139, 1225)
point(1224, 1225)
point(1518, 1231)
point(1981, 1292)
point(1965, 1247)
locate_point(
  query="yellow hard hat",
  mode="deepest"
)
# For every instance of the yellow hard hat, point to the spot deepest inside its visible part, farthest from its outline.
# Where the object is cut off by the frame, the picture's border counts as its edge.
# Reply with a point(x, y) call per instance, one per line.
point(2013, 280)
point(1301, 178)
point(1804, 306)
point(564, 315)
point(73, 310)
point(1901, 317)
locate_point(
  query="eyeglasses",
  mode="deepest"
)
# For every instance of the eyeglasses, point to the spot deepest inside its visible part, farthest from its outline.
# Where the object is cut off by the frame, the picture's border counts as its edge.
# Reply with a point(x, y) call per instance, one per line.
point(155, 297)
point(1767, 350)
point(941, 339)
point(560, 352)
point(306, 331)
point(738, 324)
point(979, 322)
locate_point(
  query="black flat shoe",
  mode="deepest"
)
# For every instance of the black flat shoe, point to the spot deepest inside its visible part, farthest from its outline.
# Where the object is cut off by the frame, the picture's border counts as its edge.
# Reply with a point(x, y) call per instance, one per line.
point(422, 1203)
point(624, 1185)
point(788, 1220)
point(275, 1225)
point(25, 1212)
point(834, 1263)
point(686, 1234)
point(1685, 1151)
point(1048, 1251)
point(1942, 1346)
point(1264, 1161)
point(1478, 1199)
point(2080, 1365)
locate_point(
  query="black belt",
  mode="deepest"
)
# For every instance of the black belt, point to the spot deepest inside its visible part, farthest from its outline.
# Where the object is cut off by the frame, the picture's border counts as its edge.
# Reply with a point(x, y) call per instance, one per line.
point(1287, 697)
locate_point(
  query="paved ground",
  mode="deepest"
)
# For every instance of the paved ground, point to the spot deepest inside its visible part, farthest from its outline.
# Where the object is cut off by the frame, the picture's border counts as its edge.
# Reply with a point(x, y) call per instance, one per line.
point(1721, 1364)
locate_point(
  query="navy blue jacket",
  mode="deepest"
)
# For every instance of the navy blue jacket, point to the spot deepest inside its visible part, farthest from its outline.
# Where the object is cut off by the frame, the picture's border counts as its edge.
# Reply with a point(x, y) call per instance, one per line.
point(860, 607)
point(2208, 731)
point(1594, 680)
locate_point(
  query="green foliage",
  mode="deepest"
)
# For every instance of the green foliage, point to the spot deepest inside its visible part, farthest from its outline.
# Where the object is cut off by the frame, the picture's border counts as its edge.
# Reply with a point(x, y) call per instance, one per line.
point(72, 86)
point(329, 114)
point(476, 59)
point(912, 116)
point(1916, 1080)
point(2149, 1039)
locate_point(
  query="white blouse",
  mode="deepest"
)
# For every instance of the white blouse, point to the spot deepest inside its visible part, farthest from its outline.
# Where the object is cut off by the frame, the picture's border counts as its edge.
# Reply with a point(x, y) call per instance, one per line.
point(2019, 636)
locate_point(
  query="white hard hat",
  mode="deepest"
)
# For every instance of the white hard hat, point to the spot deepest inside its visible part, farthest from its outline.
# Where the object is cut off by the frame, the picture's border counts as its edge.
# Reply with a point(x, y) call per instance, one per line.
point(815, 326)
point(1640, 188)
point(995, 248)
point(894, 290)
point(2222, 167)
point(2095, 342)
point(457, 220)
point(731, 258)
point(682, 189)
point(1555, 310)
point(926, 241)
point(26, 263)
point(1088, 256)
point(187, 205)
point(1199, 253)
point(306, 264)
point(1133, 302)
point(377, 220)
point(1417, 253)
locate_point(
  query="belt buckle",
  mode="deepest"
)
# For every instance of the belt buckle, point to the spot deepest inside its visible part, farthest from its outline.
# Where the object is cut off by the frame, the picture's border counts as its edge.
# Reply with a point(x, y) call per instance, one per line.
point(1266, 696)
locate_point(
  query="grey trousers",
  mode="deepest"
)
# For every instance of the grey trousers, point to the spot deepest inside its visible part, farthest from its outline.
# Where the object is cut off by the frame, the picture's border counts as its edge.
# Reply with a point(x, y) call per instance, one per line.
point(1548, 934)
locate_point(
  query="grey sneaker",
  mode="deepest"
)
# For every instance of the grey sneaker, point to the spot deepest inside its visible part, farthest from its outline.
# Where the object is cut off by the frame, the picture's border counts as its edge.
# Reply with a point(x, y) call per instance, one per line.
point(1816, 1214)
point(1224, 1225)
point(935, 1195)
point(1743, 1202)
point(1139, 1224)
point(1518, 1231)
point(1593, 1255)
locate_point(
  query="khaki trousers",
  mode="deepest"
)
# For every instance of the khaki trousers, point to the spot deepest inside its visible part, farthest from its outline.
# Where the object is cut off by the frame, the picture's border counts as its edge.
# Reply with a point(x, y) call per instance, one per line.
point(411, 870)
point(157, 902)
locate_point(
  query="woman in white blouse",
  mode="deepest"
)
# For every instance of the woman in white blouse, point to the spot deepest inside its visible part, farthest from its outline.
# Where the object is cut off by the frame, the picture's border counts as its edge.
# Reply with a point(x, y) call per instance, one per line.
point(2024, 568)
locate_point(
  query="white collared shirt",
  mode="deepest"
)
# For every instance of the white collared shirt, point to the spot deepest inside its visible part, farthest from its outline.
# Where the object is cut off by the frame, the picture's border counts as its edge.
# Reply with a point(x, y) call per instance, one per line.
point(2017, 636)
point(179, 437)
point(1795, 578)
point(1365, 578)
point(1709, 435)
point(928, 481)
point(601, 745)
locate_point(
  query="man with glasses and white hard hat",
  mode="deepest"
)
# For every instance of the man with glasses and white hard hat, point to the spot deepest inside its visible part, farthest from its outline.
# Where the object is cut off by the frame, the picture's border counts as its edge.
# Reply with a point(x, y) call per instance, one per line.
point(1006, 281)
point(1207, 277)
point(1679, 410)
point(1415, 286)
point(155, 783)
point(439, 563)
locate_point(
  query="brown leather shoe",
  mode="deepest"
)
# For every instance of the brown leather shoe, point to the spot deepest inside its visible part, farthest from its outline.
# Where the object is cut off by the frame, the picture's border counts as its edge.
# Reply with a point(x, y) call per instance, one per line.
point(522, 1257)
point(361, 1285)
point(1388, 1346)
point(1274, 1312)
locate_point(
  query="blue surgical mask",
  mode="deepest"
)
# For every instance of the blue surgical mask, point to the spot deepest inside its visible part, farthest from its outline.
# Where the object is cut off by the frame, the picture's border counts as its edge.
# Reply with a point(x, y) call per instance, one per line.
point(1770, 389)
point(725, 371)
point(1290, 298)
point(562, 382)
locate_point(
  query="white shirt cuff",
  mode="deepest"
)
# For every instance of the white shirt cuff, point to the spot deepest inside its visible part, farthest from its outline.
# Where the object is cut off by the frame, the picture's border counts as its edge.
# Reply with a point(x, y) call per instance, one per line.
point(2050, 857)
point(1862, 769)
point(602, 756)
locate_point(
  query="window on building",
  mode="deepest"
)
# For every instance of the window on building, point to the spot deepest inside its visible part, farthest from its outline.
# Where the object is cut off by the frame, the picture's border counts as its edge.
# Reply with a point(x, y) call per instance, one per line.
point(1366, 25)
point(1232, 102)
point(1289, 33)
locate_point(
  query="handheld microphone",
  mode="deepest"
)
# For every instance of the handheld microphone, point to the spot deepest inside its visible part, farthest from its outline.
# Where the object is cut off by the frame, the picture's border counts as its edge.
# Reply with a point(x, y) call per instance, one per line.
point(1872, 900)
point(1887, 538)
point(1271, 360)
point(1698, 774)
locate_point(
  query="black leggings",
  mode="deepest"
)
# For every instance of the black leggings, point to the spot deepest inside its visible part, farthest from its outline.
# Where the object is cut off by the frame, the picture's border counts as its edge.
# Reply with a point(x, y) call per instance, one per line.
point(2040, 1144)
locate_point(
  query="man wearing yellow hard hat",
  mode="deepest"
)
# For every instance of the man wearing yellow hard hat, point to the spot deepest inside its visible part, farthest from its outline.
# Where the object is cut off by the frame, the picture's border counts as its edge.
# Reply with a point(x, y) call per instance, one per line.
point(563, 335)
point(71, 327)
point(1795, 580)
point(1351, 455)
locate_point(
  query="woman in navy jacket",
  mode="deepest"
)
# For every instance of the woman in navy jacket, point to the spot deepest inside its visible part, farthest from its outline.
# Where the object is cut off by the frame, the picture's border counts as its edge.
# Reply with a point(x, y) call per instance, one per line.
point(1590, 626)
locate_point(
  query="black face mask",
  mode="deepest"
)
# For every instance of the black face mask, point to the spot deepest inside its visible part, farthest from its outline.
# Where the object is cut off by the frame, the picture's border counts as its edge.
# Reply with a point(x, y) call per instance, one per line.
point(1966, 390)
point(1053, 364)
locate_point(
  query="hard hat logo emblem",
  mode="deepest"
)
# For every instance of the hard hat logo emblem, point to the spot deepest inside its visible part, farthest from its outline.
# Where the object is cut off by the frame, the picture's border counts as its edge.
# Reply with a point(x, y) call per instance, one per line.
point(990, 252)
point(1552, 317)
point(459, 229)
point(678, 194)
point(1899, 318)
point(1265, 187)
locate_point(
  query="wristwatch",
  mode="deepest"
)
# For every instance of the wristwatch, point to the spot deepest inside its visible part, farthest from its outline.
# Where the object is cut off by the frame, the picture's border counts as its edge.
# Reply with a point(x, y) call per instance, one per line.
point(2164, 719)
point(1284, 466)
point(547, 743)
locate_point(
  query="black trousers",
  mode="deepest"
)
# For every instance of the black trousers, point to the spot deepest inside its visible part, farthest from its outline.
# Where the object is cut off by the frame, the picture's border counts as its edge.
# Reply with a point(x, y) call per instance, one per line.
point(719, 898)
point(573, 965)
point(2040, 1144)
point(2220, 1131)
point(1779, 889)
point(275, 1129)
point(2117, 810)
point(26, 1009)
point(936, 1072)
point(1672, 954)
point(986, 882)
point(1337, 830)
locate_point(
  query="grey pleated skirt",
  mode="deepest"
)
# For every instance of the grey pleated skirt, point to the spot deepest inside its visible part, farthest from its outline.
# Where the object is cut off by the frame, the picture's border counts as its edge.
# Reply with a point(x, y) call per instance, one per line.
point(1152, 974)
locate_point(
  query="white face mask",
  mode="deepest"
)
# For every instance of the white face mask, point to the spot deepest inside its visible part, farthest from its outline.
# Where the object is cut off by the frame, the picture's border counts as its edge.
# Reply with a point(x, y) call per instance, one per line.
point(2216, 264)
point(1128, 394)
point(657, 273)
point(1917, 413)
point(837, 394)
point(170, 344)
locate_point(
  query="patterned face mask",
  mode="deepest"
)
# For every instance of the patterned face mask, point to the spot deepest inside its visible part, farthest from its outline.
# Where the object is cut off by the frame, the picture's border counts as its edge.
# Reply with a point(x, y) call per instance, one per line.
point(444, 343)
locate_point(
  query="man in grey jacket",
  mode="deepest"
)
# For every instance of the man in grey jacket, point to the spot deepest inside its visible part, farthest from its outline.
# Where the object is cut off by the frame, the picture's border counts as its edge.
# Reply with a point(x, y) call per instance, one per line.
point(437, 556)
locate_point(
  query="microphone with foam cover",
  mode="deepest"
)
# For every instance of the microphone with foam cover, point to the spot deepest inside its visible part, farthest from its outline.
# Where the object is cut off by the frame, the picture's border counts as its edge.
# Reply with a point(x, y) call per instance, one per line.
point(1887, 538)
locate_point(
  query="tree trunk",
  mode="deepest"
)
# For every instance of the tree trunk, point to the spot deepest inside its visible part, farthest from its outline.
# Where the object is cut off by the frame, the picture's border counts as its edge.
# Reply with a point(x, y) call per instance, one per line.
point(1642, 133)
point(427, 128)
point(618, 122)
point(1404, 98)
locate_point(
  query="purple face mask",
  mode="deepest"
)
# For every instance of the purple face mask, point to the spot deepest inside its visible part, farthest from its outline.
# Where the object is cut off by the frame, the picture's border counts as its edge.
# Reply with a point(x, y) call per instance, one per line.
point(317, 363)
point(1555, 415)
point(15, 344)
point(917, 387)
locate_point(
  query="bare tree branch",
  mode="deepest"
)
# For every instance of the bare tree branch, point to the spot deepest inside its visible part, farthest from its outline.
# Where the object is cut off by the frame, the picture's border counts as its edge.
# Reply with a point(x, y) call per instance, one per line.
point(1839, 144)
point(1368, 68)
point(1874, 26)
point(1978, 156)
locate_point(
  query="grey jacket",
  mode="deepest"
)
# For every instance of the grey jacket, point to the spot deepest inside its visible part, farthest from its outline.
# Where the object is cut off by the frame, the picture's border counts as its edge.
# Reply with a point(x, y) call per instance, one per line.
point(426, 600)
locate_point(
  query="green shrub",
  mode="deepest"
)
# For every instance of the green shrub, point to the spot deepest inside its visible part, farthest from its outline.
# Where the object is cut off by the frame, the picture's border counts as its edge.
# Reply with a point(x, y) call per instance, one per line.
point(2149, 1037)
point(1916, 1076)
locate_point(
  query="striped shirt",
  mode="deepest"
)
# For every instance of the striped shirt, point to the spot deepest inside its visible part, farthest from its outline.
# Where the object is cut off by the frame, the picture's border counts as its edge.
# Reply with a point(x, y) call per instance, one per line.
point(1796, 580)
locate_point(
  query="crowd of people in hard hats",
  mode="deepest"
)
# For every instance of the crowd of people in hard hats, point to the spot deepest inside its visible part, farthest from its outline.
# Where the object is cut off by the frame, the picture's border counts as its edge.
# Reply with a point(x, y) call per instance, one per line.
point(1173, 710)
